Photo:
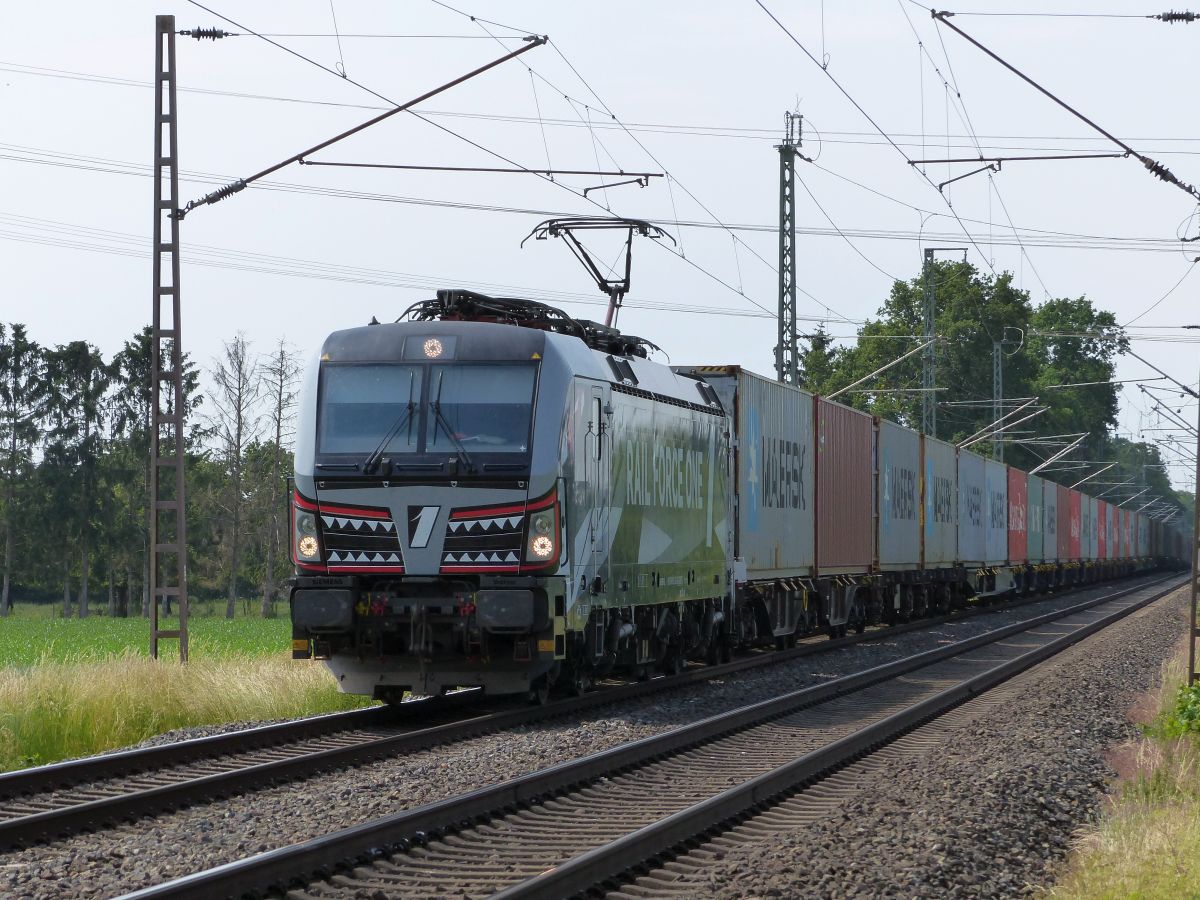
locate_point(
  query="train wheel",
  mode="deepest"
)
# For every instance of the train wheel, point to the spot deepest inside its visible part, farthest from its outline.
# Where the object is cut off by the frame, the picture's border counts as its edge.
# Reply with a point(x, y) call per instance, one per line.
point(712, 655)
point(539, 692)
point(579, 682)
point(674, 663)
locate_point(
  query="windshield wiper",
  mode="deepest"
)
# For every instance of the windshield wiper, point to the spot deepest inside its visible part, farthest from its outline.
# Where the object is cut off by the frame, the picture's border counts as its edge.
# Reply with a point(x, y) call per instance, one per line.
point(372, 461)
point(373, 458)
point(435, 404)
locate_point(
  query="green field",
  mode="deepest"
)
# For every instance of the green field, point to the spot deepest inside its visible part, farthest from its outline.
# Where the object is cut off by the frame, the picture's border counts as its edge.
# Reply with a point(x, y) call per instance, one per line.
point(75, 687)
point(32, 635)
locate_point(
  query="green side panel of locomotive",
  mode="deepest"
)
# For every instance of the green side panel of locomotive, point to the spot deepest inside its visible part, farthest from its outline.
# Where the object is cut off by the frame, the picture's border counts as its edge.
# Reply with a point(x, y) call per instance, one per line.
point(670, 524)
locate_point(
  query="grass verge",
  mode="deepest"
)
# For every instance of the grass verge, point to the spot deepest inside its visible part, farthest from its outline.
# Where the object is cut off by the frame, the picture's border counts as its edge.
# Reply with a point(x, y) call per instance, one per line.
point(57, 710)
point(1149, 846)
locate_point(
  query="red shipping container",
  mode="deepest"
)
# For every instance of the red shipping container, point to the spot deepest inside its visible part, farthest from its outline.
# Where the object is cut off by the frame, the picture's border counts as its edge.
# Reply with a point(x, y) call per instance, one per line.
point(1064, 523)
point(1126, 549)
point(1075, 524)
point(845, 489)
point(1101, 530)
point(1018, 501)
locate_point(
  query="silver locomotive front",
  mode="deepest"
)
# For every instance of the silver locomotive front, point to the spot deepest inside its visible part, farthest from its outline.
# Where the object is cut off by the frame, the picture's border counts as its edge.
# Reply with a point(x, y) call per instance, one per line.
point(427, 524)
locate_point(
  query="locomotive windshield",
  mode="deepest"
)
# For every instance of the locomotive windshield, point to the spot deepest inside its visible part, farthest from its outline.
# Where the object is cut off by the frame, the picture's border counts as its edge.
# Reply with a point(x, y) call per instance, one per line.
point(360, 404)
point(371, 409)
point(481, 408)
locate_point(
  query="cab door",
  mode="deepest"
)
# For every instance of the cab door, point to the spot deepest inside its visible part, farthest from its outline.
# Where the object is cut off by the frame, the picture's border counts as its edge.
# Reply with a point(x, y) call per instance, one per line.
point(593, 490)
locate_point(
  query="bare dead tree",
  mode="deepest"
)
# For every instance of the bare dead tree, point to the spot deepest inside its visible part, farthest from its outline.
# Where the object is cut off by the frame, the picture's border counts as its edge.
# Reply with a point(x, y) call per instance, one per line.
point(235, 424)
point(280, 375)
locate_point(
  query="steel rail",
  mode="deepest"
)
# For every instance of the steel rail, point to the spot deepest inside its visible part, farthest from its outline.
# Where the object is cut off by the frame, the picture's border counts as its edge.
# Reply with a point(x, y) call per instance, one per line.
point(291, 865)
point(64, 818)
point(122, 762)
point(619, 856)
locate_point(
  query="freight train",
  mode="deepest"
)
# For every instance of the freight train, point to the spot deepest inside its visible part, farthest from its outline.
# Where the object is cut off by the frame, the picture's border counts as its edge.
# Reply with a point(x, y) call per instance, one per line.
point(491, 493)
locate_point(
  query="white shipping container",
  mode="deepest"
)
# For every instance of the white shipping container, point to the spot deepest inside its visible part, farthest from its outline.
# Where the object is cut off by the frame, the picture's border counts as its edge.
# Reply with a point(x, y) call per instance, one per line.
point(1049, 521)
point(941, 509)
point(972, 508)
point(1093, 529)
point(996, 515)
point(899, 497)
point(773, 463)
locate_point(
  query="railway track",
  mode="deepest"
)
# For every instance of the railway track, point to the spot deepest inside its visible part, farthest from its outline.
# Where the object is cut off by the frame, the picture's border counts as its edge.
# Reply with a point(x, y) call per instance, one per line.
point(579, 824)
point(49, 802)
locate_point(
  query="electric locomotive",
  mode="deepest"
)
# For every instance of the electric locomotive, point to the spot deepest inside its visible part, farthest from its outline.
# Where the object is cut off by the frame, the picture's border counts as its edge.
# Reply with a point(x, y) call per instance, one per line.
point(490, 493)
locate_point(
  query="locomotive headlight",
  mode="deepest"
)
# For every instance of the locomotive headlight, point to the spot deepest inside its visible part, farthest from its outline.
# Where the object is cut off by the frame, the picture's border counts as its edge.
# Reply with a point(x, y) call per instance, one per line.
point(541, 535)
point(541, 542)
point(305, 537)
point(542, 546)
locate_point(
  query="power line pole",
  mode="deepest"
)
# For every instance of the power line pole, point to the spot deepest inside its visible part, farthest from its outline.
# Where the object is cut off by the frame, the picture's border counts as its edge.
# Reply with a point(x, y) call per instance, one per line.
point(168, 518)
point(929, 360)
point(1194, 562)
point(787, 349)
point(997, 398)
point(998, 389)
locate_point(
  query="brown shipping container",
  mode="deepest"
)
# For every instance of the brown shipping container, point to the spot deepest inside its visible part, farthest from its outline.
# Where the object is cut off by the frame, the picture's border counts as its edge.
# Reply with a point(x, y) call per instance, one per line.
point(845, 489)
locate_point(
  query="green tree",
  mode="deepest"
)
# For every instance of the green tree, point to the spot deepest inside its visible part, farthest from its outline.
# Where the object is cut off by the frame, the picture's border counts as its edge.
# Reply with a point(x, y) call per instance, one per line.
point(819, 363)
point(972, 311)
point(236, 421)
point(78, 378)
point(22, 396)
point(280, 376)
point(1073, 343)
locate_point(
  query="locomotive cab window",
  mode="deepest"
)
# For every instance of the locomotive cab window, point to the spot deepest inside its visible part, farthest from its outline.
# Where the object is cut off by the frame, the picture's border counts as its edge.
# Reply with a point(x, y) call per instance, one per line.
point(364, 405)
point(485, 408)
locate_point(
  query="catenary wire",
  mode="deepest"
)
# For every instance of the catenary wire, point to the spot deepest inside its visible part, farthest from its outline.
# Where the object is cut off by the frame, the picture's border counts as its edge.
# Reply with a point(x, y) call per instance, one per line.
point(471, 142)
point(1033, 236)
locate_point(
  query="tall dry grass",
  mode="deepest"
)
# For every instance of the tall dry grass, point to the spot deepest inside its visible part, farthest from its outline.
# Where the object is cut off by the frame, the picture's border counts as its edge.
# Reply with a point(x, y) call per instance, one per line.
point(1149, 846)
point(57, 710)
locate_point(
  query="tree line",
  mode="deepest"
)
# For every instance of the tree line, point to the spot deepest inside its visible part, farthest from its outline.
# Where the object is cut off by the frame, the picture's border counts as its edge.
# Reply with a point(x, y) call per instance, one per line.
point(75, 473)
point(1062, 351)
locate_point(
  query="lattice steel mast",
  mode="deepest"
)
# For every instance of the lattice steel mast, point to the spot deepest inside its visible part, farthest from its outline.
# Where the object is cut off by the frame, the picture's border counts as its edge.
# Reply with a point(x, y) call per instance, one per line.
point(1194, 564)
point(787, 348)
point(168, 511)
point(928, 326)
point(928, 360)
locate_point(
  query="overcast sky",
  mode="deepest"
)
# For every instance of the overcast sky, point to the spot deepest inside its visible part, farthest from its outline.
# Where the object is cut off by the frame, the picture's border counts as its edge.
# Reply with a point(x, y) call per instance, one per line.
point(698, 91)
